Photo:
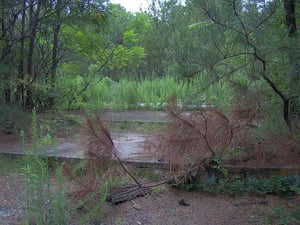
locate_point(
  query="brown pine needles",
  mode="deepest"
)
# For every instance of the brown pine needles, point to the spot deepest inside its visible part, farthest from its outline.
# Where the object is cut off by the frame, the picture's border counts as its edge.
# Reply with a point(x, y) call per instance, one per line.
point(99, 143)
point(195, 137)
point(102, 163)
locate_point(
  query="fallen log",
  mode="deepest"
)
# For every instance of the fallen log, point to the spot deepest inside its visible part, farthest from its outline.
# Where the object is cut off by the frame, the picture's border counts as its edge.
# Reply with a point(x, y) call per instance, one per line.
point(127, 193)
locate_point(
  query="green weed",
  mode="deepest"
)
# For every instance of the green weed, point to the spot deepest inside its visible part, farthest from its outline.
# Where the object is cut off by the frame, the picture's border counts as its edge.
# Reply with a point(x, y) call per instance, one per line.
point(45, 204)
point(284, 215)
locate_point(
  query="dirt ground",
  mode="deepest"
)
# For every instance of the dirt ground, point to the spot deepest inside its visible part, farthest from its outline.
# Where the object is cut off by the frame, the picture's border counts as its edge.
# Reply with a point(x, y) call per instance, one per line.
point(159, 207)
point(202, 209)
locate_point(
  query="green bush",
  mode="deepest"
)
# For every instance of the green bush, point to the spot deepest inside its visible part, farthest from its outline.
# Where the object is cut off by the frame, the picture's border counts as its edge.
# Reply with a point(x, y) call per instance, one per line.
point(282, 186)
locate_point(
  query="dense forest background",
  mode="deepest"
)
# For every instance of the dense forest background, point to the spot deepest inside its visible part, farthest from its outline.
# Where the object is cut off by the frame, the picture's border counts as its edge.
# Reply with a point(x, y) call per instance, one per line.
point(71, 54)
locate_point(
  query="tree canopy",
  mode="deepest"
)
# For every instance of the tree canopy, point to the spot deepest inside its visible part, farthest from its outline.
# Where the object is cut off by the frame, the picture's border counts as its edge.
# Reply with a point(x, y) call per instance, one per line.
point(54, 51)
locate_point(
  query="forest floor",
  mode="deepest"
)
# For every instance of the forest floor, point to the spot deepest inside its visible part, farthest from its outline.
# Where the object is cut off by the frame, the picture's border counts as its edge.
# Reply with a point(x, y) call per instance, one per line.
point(162, 207)
point(159, 207)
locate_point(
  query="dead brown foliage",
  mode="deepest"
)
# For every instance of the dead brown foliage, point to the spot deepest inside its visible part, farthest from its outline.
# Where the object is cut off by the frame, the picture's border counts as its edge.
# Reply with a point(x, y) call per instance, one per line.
point(99, 166)
point(103, 164)
point(267, 150)
point(98, 140)
point(263, 149)
point(195, 137)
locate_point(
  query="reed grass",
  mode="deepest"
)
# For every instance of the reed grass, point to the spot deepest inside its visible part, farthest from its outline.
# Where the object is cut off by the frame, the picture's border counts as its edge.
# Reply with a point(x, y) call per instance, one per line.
point(150, 93)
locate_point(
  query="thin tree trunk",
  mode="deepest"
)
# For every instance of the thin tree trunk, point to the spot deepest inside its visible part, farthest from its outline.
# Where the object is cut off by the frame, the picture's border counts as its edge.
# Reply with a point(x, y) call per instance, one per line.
point(34, 19)
point(290, 16)
point(55, 51)
point(7, 32)
point(284, 99)
point(21, 75)
point(7, 96)
point(293, 51)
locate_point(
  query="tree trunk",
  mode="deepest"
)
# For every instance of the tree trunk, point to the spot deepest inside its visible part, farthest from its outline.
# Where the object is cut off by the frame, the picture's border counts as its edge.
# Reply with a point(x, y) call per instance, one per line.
point(34, 19)
point(284, 99)
point(7, 96)
point(21, 75)
point(55, 51)
point(290, 16)
point(293, 51)
point(7, 31)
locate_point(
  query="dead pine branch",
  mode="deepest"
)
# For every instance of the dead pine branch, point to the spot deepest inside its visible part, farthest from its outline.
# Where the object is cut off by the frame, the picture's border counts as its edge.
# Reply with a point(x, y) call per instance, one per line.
point(102, 155)
point(195, 137)
point(101, 148)
point(101, 145)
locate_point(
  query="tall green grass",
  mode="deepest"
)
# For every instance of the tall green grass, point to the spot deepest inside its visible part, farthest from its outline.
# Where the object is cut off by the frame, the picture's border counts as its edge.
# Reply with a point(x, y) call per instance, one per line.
point(151, 93)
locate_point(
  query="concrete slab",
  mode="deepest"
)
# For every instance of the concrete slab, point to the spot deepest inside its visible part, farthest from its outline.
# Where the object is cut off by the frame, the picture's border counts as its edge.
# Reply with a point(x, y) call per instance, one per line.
point(67, 150)
point(129, 145)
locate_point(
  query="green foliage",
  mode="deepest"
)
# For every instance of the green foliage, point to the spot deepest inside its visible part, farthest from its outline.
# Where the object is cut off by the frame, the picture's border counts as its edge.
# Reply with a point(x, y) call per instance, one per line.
point(127, 94)
point(148, 93)
point(41, 96)
point(213, 45)
point(60, 201)
point(51, 123)
point(45, 127)
point(34, 132)
point(284, 215)
point(95, 212)
point(45, 200)
point(44, 203)
point(9, 165)
point(32, 79)
point(12, 119)
point(235, 185)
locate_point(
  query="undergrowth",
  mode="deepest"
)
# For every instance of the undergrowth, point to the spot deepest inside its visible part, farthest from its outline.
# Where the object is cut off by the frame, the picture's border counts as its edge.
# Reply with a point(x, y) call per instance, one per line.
point(287, 187)
point(283, 215)
point(202, 135)
point(47, 199)
point(12, 119)
point(45, 203)
point(9, 165)
point(282, 186)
